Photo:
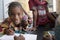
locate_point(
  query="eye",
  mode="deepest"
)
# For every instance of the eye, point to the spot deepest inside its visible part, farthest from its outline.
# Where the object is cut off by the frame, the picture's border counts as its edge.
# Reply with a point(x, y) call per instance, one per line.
point(18, 13)
point(12, 14)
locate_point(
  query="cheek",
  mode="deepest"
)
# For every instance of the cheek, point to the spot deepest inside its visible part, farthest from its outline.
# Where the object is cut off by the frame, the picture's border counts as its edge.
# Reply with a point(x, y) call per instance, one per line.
point(20, 17)
point(12, 18)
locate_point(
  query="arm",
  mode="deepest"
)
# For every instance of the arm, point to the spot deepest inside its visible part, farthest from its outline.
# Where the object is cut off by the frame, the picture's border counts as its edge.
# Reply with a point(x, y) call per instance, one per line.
point(51, 17)
point(34, 18)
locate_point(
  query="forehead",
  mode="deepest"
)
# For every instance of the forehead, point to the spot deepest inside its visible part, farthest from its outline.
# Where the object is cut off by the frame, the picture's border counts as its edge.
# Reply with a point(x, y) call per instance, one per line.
point(16, 9)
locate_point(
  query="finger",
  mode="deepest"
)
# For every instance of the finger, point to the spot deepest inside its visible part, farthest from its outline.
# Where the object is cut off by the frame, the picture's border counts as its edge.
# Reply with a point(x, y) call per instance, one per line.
point(16, 38)
point(24, 29)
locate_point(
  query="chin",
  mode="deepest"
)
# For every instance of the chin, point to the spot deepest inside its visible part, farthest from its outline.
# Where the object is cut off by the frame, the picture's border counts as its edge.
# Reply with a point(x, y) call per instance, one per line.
point(17, 23)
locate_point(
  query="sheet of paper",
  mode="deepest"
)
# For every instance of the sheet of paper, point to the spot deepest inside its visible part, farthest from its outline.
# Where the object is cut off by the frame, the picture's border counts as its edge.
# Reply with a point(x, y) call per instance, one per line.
point(30, 36)
point(7, 37)
point(27, 37)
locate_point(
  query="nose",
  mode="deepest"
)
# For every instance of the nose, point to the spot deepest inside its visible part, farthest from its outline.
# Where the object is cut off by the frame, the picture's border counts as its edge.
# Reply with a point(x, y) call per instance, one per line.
point(16, 17)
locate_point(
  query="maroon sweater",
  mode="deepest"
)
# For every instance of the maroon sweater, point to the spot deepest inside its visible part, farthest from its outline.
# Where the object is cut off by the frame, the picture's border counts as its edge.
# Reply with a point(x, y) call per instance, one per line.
point(40, 20)
point(33, 3)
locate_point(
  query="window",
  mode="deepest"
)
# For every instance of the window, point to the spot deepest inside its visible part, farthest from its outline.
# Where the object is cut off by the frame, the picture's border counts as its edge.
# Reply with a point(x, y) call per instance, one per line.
point(52, 5)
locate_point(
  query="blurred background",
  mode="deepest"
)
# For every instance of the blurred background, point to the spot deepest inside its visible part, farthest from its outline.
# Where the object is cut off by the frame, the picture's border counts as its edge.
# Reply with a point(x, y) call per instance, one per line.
point(52, 6)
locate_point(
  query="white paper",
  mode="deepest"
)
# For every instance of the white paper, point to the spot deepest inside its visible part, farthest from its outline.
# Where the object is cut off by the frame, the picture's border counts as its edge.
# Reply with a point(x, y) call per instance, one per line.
point(27, 37)
point(30, 36)
point(6, 37)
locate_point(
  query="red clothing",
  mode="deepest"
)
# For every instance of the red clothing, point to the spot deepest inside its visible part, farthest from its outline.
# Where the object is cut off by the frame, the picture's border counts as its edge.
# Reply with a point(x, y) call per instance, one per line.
point(42, 19)
point(33, 3)
point(0, 29)
point(36, 3)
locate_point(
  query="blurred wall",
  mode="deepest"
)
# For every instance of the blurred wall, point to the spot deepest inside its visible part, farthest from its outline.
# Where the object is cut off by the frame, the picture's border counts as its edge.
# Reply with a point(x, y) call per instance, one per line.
point(25, 6)
point(58, 6)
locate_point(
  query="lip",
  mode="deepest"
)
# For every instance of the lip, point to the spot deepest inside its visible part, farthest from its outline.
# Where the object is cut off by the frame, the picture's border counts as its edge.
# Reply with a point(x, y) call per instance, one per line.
point(17, 22)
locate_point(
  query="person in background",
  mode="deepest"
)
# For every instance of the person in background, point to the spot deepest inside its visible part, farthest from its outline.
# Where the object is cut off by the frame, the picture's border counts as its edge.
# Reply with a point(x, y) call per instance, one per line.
point(41, 17)
point(33, 4)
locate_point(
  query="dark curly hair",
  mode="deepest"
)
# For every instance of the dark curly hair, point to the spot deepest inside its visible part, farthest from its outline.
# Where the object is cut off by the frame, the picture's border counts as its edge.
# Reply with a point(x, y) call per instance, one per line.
point(12, 5)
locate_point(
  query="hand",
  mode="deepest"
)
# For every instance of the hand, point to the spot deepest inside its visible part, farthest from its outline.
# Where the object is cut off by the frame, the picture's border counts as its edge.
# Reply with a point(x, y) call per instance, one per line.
point(33, 28)
point(21, 37)
point(16, 38)
point(30, 29)
point(26, 29)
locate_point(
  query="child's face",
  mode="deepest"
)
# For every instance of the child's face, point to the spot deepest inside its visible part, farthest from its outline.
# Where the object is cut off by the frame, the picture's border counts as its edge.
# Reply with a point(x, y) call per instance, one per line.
point(16, 14)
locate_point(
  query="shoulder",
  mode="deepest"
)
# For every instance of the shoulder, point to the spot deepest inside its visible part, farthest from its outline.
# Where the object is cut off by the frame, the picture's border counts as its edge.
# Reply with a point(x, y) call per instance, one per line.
point(5, 23)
